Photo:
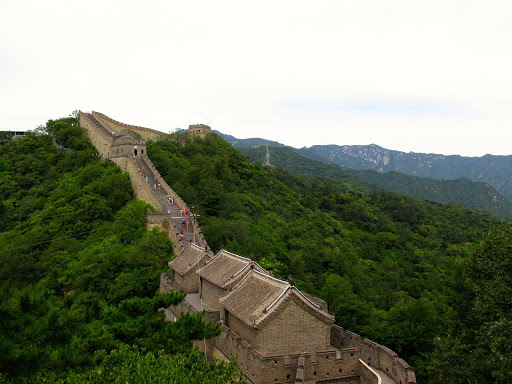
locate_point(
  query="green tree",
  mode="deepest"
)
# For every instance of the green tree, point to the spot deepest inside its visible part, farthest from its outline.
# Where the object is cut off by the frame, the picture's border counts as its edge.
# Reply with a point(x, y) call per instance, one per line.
point(477, 347)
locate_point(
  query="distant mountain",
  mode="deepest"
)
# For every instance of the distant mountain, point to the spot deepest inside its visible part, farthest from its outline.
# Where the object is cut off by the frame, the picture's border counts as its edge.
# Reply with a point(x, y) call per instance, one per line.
point(494, 170)
point(476, 195)
point(243, 143)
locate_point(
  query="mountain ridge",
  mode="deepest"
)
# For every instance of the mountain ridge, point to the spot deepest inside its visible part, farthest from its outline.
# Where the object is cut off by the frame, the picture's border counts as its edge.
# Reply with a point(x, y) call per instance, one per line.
point(495, 170)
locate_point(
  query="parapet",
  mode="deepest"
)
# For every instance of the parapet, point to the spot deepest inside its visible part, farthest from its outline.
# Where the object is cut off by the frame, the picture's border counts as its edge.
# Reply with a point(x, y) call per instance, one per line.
point(199, 129)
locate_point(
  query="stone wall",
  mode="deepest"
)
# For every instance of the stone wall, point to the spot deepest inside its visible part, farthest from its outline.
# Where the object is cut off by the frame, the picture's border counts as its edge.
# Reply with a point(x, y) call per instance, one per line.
point(249, 335)
point(198, 234)
point(293, 320)
point(125, 147)
point(189, 283)
point(116, 126)
point(368, 375)
point(211, 294)
point(199, 130)
point(166, 225)
point(140, 187)
point(374, 355)
point(99, 139)
point(321, 366)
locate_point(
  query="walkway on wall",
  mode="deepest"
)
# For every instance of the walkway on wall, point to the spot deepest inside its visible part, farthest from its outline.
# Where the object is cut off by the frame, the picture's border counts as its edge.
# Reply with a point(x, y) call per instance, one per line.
point(173, 209)
point(385, 379)
point(98, 124)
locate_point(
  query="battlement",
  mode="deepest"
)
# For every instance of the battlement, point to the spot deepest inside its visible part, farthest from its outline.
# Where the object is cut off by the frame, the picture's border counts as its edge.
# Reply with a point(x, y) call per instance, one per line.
point(329, 365)
point(117, 127)
point(199, 130)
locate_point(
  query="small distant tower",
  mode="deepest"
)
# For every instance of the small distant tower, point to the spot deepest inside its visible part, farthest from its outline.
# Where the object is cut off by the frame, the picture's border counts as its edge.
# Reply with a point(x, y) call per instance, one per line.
point(200, 130)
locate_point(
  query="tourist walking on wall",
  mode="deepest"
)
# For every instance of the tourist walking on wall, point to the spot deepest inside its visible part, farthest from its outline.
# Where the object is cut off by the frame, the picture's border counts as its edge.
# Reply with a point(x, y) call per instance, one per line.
point(181, 212)
point(187, 223)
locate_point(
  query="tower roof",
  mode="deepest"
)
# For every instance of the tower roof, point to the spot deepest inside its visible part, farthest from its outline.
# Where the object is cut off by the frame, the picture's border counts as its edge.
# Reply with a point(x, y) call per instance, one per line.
point(188, 259)
point(226, 268)
point(258, 297)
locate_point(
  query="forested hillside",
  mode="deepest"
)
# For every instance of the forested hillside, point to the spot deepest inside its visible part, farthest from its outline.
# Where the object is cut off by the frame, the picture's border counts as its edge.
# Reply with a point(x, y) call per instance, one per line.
point(495, 170)
point(79, 274)
point(480, 196)
point(386, 263)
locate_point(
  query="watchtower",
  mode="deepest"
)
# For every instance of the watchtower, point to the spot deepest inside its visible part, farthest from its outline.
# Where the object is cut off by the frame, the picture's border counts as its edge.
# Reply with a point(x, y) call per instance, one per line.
point(200, 130)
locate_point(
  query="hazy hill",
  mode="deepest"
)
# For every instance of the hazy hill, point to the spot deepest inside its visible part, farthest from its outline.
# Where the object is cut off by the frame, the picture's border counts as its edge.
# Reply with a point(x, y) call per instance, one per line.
point(476, 195)
point(495, 170)
point(242, 143)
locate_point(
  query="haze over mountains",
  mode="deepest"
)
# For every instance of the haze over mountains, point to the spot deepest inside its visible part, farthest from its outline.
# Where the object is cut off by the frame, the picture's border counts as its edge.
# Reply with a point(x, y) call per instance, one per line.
point(483, 183)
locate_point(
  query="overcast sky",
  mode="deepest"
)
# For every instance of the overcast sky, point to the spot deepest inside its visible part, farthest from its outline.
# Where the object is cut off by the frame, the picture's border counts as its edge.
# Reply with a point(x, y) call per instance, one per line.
point(422, 76)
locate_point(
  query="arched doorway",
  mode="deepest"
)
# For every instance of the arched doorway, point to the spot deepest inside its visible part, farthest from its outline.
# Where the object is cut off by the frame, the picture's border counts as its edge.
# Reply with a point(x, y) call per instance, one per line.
point(135, 151)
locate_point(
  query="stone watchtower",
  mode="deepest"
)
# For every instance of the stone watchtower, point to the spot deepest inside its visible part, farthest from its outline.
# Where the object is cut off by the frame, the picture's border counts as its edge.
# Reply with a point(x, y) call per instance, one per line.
point(200, 130)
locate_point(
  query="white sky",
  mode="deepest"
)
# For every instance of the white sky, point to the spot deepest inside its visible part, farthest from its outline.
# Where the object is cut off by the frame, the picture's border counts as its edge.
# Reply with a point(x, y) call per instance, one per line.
point(423, 76)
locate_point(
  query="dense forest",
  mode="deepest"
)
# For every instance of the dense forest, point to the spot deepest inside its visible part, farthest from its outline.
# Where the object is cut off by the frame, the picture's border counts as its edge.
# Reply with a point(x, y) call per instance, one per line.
point(492, 169)
point(390, 266)
point(476, 195)
point(79, 274)
point(79, 271)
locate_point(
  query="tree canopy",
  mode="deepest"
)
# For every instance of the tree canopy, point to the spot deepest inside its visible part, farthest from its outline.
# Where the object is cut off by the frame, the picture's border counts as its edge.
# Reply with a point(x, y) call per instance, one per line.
point(383, 261)
point(79, 273)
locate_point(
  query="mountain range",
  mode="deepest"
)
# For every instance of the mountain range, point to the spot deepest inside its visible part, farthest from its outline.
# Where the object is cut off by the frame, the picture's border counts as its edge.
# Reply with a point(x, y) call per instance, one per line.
point(495, 170)
point(483, 183)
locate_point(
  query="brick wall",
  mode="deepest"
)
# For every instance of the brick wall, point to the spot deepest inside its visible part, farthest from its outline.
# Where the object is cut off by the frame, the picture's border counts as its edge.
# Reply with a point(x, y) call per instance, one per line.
point(140, 187)
point(126, 148)
point(368, 375)
point(113, 125)
point(291, 331)
point(241, 329)
point(283, 368)
point(370, 353)
point(161, 220)
point(98, 138)
point(211, 294)
point(198, 234)
point(374, 355)
point(188, 283)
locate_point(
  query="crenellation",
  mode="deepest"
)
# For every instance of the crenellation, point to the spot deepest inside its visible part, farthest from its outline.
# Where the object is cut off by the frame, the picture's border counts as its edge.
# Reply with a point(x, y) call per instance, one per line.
point(199, 130)
point(116, 126)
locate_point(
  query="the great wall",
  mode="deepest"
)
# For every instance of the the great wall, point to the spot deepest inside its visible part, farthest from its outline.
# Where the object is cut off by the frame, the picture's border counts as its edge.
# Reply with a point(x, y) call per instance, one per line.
point(278, 333)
